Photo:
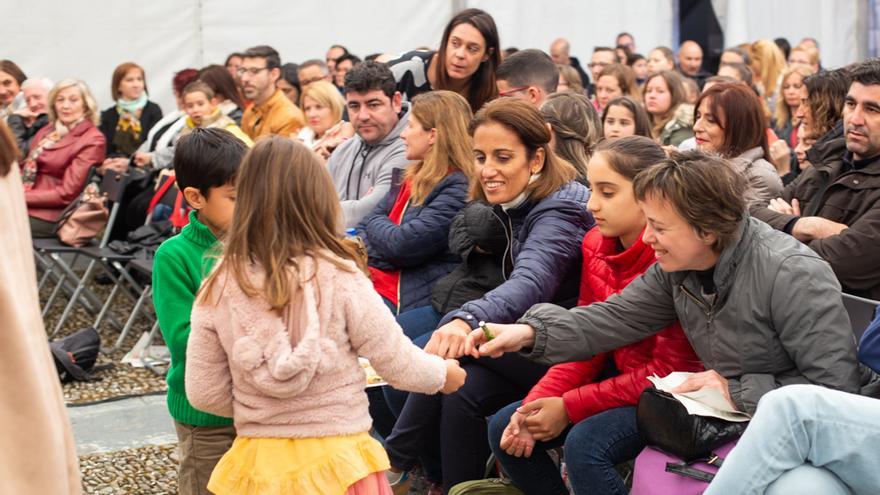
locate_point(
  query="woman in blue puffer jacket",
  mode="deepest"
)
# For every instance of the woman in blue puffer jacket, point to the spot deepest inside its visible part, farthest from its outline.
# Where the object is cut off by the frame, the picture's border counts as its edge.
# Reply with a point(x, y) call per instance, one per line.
point(541, 209)
point(407, 234)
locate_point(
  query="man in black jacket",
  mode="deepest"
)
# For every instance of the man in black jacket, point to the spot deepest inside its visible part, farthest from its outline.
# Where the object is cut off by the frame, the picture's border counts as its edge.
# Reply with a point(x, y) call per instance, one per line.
point(560, 53)
point(834, 206)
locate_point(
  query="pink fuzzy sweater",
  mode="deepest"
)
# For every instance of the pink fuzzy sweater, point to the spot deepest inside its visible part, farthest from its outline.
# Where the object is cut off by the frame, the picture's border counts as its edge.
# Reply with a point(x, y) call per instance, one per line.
point(301, 379)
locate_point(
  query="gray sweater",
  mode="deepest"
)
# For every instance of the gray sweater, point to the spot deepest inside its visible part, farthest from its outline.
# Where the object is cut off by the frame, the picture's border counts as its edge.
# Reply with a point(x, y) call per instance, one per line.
point(362, 171)
point(777, 318)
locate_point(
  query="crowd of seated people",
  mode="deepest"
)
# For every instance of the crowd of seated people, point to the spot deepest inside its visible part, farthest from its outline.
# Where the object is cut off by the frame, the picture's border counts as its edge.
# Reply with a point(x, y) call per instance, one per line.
point(635, 216)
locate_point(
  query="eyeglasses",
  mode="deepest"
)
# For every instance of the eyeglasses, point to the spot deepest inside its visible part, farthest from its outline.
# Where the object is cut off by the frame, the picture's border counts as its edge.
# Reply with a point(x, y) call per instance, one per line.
point(250, 70)
point(598, 64)
point(511, 91)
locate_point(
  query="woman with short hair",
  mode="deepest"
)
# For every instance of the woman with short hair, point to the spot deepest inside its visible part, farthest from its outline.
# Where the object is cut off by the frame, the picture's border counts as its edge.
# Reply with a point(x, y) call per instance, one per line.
point(57, 166)
point(323, 106)
point(728, 279)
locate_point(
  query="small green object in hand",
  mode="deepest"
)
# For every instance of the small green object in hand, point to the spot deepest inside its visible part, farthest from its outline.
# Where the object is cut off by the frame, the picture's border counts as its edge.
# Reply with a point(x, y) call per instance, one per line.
point(486, 331)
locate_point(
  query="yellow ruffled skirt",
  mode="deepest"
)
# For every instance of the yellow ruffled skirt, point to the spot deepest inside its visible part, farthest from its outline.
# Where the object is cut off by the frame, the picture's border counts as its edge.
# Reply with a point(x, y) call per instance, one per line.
point(326, 465)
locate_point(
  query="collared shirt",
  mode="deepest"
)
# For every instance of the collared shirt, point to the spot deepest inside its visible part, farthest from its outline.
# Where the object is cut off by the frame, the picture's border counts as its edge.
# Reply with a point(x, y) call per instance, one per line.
point(277, 115)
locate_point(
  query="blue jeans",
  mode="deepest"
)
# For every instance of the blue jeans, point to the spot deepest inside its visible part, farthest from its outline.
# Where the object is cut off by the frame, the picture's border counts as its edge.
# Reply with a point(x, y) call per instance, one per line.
point(592, 448)
point(806, 439)
point(449, 432)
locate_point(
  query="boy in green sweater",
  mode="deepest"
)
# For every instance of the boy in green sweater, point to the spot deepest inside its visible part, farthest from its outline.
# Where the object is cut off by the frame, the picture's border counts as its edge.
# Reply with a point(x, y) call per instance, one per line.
point(206, 162)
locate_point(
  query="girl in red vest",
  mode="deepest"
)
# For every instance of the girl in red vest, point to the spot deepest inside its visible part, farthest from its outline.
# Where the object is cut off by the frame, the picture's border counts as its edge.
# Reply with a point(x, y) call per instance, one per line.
point(589, 406)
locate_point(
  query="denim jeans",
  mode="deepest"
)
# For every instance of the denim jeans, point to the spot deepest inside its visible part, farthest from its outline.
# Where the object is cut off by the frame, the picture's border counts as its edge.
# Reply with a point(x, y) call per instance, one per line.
point(592, 448)
point(797, 429)
point(450, 431)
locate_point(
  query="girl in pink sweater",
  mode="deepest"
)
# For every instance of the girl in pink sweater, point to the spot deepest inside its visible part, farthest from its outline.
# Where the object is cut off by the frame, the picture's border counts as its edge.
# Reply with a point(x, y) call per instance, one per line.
point(276, 333)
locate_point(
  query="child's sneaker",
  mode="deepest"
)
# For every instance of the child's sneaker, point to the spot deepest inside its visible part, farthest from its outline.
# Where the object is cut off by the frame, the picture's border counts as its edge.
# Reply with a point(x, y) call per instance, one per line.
point(399, 482)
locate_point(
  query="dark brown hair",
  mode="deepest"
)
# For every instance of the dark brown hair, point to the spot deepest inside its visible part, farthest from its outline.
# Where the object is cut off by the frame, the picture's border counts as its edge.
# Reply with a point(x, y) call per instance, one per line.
point(626, 79)
point(826, 94)
point(119, 74)
point(676, 98)
point(628, 156)
point(640, 115)
point(528, 124)
point(222, 82)
point(11, 68)
point(737, 110)
point(703, 188)
point(481, 87)
point(8, 149)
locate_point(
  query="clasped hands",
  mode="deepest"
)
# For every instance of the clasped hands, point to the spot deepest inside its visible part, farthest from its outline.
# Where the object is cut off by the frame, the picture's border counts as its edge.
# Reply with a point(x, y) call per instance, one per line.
point(806, 229)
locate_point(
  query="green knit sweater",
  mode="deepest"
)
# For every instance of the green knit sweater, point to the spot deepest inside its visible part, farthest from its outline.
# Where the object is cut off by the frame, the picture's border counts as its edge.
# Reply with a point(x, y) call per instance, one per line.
point(178, 269)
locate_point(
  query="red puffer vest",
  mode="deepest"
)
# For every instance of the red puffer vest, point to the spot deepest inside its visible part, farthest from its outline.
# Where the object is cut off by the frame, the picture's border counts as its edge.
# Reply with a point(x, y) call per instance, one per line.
point(605, 272)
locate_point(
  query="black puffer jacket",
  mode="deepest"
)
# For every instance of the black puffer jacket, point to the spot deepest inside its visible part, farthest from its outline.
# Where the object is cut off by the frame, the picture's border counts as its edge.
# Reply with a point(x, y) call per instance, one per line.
point(540, 257)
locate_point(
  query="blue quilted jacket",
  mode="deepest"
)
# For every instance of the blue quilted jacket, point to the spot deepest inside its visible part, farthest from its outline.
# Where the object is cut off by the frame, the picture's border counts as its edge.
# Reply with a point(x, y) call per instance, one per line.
point(419, 246)
point(542, 259)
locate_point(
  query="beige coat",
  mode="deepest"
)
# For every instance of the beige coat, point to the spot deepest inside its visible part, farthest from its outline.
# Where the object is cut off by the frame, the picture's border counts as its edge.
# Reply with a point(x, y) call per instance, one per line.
point(37, 453)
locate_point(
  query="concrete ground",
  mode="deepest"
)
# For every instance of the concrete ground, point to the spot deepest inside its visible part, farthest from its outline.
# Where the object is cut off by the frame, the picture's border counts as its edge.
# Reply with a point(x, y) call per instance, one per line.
point(122, 424)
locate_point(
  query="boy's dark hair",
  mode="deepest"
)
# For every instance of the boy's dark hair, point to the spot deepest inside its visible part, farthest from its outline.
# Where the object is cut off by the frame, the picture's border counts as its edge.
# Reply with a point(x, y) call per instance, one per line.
point(529, 68)
point(207, 158)
point(369, 76)
point(273, 60)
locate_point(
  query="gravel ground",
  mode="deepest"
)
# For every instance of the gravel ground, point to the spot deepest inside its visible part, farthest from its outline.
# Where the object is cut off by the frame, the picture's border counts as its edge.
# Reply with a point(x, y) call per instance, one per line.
point(144, 471)
point(121, 380)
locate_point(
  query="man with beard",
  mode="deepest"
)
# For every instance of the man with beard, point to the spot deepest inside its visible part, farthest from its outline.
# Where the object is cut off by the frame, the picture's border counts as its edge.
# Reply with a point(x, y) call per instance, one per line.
point(362, 166)
point(834, 206)
point(272, 112)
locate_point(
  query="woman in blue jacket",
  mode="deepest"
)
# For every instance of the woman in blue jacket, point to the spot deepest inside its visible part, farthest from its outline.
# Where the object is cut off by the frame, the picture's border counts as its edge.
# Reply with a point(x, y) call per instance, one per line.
point(407, 234)
point(541, 208)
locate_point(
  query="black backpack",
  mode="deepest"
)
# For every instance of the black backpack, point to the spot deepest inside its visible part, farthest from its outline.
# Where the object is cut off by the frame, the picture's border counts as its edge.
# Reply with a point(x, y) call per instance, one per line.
point(75, 355)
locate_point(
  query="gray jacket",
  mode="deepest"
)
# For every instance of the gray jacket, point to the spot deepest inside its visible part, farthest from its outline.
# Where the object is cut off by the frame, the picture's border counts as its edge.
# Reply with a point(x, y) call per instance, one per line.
point(777, 318)
point(761, 174)
point(362, 171)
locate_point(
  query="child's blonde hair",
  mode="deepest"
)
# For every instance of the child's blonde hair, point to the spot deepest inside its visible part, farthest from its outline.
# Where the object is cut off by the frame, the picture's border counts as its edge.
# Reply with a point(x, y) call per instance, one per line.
point(286, 207)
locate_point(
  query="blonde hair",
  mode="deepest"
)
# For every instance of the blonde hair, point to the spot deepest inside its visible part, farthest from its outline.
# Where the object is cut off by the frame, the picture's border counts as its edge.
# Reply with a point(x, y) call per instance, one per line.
point(770, 62)
point(812, 54)
point(783, 113)
point(287, 208)
point(571, 77)
point(91, 106)
point(449, 114)
point(326, 94)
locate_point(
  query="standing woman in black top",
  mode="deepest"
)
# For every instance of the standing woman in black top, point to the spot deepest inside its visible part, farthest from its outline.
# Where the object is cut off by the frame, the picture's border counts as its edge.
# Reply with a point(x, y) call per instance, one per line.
point(127, 122)
point(465, 63)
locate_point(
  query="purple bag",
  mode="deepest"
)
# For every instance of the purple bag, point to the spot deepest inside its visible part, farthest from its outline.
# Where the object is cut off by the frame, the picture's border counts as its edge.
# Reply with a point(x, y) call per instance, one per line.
point(651, 477)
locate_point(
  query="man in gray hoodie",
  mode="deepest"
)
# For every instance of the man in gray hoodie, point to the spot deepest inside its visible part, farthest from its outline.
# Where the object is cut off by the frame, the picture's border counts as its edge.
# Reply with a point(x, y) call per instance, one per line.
point(361, 167)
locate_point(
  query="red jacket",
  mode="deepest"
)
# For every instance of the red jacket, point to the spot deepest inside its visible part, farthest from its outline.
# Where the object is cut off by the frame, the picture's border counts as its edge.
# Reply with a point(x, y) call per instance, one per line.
point(62, 170)
point(605, 272)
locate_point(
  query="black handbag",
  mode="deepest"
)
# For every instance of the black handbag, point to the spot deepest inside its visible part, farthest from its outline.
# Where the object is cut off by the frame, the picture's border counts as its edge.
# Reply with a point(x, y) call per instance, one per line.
point(76, 354)
point(665, 423)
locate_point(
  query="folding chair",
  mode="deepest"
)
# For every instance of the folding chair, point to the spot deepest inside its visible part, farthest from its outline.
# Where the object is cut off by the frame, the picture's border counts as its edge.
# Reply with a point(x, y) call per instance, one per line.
point(861, 312)
point(143, 266)
point(100, 256)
